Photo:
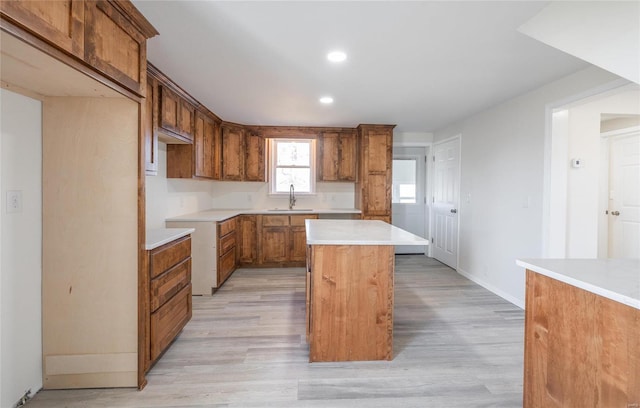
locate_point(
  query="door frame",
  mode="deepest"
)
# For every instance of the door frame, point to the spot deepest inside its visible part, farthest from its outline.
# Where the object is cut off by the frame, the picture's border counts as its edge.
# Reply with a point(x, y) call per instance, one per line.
point(432, 165)
point(428, 149)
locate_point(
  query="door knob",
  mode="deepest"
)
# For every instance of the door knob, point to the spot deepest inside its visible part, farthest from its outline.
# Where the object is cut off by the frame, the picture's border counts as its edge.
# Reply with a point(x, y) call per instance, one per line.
point(453, 211)
point(616, 213)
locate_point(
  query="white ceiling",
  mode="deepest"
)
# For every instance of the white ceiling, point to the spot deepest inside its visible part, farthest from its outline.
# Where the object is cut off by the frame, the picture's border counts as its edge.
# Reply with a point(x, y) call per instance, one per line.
point(420, 64)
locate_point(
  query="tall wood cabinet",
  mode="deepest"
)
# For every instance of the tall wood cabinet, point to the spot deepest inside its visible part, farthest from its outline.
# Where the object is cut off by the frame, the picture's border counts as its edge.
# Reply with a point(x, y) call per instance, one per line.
point(232, 152)
point(373, 187)
point(94, 275)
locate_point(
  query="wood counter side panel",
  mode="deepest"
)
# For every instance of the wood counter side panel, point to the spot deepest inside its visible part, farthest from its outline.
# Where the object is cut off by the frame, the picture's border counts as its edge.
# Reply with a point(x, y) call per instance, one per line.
point(581, 350)
point(352, 303)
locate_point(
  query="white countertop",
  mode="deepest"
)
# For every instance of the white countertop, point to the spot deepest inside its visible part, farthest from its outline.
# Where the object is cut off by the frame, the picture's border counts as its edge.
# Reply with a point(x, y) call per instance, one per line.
point(221, 215)
point(615, 279)
point(161, 236)
point(358, 232)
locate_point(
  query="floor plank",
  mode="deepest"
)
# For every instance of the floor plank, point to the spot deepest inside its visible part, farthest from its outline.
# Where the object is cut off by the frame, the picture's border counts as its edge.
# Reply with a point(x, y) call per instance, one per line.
point(455, 345)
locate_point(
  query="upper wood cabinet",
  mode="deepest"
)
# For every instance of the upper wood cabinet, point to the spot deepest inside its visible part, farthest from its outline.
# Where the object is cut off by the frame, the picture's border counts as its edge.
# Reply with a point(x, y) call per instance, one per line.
point(373, 187)
point(254, 164)
point(175, 115)
point(197, 160)
point(337, 156)
point(58, 22)
point(232, 152)
point(110, 36)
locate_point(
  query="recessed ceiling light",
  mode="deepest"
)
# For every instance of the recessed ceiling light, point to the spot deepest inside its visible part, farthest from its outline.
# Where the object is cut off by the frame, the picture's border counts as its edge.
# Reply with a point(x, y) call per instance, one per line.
point(326, 100)
point(336, 56)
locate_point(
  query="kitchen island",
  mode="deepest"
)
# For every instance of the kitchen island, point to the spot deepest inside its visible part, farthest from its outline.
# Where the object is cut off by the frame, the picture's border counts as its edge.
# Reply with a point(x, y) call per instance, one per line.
point(350, 267)
point(582, 333)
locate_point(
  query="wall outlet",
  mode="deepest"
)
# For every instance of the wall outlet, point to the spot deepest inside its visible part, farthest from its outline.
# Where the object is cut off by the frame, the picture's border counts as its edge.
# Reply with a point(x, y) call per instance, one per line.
point(14, 201)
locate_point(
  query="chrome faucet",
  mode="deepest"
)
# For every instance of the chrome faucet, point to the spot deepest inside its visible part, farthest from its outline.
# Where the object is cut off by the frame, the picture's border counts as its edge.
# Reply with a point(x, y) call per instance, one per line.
point(292, 197)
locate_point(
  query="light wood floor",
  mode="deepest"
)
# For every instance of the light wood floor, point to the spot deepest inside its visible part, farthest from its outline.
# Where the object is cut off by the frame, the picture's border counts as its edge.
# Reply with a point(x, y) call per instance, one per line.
point(455, 345)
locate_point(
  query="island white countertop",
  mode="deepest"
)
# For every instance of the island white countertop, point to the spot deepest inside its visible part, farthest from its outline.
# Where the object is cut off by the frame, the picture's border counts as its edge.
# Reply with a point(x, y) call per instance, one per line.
point(358, 232)
point(160, 236)
point(221, 215)
point(615, 279)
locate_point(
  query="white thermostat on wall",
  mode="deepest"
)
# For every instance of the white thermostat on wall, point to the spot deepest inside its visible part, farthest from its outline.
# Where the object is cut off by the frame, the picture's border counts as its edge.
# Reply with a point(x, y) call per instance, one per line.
point(576, 163)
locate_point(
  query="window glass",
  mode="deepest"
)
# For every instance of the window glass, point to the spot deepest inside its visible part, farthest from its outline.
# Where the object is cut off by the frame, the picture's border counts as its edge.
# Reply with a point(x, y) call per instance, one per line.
point(404, 181)
point(292, 162)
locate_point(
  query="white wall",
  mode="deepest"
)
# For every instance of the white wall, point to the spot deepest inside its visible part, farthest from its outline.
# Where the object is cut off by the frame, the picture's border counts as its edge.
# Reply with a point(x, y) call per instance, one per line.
point(21, 254)
point(501, 183)
point(171, 197)
point(583, 196)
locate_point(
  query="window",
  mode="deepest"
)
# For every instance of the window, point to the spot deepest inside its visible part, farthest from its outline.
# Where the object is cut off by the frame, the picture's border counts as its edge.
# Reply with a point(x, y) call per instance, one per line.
point(404, 181)
point(292, 161)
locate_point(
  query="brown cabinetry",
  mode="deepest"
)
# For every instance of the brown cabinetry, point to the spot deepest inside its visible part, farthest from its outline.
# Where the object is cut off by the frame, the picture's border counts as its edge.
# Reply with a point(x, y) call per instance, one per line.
point(337, 156)
point(373, 187)
point(227, 255)
point(109, 36)
point(175, 115)
point(254, 165)
point(248, 244)
point(169, 297)
point(197, 160)
point(282, 239)
point(149, 129)
point(232, 152)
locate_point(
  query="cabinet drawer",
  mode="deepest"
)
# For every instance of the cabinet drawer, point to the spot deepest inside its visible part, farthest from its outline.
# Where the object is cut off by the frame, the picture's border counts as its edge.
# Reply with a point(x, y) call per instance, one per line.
point(298, 219)
point(275, 220)
point(168, 320)
point(165, 286)
point(227, 242)
point(226, 227)
point(163, 258)
point(227, 266)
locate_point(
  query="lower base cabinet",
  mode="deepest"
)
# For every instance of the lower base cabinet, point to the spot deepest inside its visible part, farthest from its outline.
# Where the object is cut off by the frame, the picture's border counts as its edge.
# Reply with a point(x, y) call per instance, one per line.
point(169, 298)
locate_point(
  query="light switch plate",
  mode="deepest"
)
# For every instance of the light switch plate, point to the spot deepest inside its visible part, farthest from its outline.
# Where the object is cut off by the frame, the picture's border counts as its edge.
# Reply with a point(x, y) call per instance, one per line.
point(14, 201)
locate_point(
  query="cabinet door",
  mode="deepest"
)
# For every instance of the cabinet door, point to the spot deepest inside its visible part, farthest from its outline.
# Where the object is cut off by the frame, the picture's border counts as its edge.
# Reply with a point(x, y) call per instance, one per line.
point(168, 109)
point(232, 153)
point(203, 145)
point(377, 193)
point(150, 134)
point(378, 151)
point(329, 156)
point(254, 169)
point(113, 45)
point(347, 157)
point(298, 244)
point(58, 22)
point(186, 116)
point(275, 244)
point(247, 252)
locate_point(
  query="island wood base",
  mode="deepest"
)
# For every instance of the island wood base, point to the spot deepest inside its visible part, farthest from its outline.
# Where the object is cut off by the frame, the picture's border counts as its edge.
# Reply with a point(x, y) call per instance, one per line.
point(350, 302)
point(581, 349)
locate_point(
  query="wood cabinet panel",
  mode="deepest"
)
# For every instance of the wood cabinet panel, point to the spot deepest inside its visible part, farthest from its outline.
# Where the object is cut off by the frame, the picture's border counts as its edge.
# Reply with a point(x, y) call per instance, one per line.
point(274, 244)
point(581, 349)
point(169, 320)
point(114, 46)
point(58, 22)
point(298, 244)
point(248, 244)
point(227, 243)
point(351, 303)
point(175, 115)
point(232, 152)
point(275, 220)
point(186, 117)
point(165, 286)
point(337, 156)
point(226, 267)
point(226, 227)
point(203, 145)
point(150, 134)
point(373, 184)
point(254, 166)
point(169, 255)
point(378, 152)
point(377, 193)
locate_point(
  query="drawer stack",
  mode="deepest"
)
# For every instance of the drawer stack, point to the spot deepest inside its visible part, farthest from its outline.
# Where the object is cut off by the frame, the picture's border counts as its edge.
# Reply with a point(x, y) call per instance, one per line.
point(227, 254)
point(169, 293)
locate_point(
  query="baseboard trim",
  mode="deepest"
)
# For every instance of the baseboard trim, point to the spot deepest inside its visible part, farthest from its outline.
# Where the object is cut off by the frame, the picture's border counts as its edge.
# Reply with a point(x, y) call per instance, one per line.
point(491, 288)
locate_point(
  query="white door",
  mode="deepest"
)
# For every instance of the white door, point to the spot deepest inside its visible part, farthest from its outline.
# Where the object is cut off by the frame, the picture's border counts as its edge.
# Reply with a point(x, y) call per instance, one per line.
point(624, 197)
point(446, 168)
point(409, 206)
